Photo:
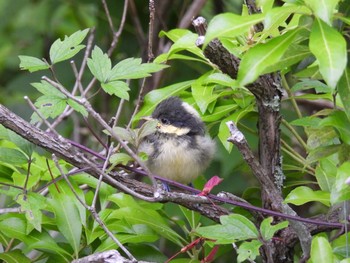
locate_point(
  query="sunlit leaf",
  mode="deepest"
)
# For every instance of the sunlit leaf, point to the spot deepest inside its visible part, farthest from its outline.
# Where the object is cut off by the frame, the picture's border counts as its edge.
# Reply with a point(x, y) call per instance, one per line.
point(323, 9)
point(329, 47)
point(117, 88)
point(341, 190)
point(303, 194)
point(132, 68)
point(230, 25)
point(321, 250)
point(233, 227)
point(258, 58)
point(65, 49)
point(99, 64)
point(248, 251)
point(32, 64)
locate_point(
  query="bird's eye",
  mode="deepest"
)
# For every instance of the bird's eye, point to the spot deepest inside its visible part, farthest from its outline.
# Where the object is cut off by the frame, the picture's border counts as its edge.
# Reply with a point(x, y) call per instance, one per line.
point(164, 121)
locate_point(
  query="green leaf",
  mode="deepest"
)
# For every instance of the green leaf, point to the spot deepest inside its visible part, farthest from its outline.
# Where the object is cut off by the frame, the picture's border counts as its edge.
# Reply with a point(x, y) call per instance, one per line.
point(138, 215)
point(306, 84)
point(248, 251)
point(20, 142)
point(233, 228)
point(67, 215)
point(14, 256)
point(224, 132)
point(326, 173)
point(268, 230)
point(219, 112)
point(47, 89)
point(344, 91)
point(184, 40)
point(99, 64)
point(118, 88)
point(229, 25)
point(118, 158)
point(132, 68)
point(293, 55)
point(146, 129)
point(32, 64)
point(49, 107)
point(261, 56)
point(66, 49)
point(338, 120)
point(321, 250)
point(322, 152)
point(12, 156)
point(77, 107)
point(341, 190)
point(309, 121)
point(323, 9)
point(303, 194)
point(15, 227)
point(329, 47)
point(31, 204)
point(155, 96)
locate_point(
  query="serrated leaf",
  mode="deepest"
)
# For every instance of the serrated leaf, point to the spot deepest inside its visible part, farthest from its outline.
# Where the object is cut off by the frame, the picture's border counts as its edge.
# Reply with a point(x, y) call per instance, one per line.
point(47, 89)
point(323, 9)
point(268, 230)
point(50, 106)
point(303, 194)
point(321, 250)
point(233, 228)
point(255, 61)
point(32, 63)
point(230, 25)
point(147, 128)
point(132, 68)
point(31, 204)
point(65, 49)
point(329, 47)
point(118, 88)
point(248, 250)
point(344, 91)
point(99, 64)
point(124, 134)
point(77, 107)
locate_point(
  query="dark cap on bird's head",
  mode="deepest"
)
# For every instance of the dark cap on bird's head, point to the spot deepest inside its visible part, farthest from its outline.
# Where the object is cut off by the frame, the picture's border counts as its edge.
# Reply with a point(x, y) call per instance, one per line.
point(175, 112)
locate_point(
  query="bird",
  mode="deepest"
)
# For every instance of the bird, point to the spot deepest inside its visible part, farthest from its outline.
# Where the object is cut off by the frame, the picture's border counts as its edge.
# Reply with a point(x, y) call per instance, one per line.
point(179, 149)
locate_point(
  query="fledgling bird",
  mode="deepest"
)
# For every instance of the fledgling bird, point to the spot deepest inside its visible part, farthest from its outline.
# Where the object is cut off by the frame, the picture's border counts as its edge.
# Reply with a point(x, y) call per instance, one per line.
point(179, 149)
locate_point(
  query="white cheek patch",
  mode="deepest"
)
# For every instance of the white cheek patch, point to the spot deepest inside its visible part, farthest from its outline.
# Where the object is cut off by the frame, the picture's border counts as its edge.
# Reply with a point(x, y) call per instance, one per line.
point(172, 129)
point(190, 109)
